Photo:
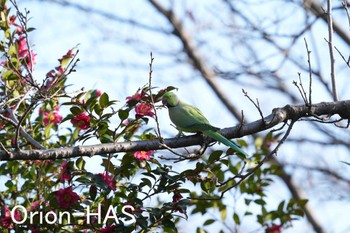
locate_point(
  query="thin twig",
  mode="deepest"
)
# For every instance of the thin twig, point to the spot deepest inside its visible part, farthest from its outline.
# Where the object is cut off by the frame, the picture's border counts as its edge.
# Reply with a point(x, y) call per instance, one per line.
point(301, 90)
point(330, 46)
point(310, 72)
point(256, 104)
point(347, 62)
point(345, 6)
point(152, 99)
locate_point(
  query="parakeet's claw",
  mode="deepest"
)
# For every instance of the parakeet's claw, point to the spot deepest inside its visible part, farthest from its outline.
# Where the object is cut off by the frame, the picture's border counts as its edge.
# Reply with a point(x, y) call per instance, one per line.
point(206, 140)
point(179, 134)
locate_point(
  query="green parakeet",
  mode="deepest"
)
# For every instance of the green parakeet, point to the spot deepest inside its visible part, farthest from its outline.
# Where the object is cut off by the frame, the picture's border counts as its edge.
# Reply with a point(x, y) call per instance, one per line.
point(188, 118)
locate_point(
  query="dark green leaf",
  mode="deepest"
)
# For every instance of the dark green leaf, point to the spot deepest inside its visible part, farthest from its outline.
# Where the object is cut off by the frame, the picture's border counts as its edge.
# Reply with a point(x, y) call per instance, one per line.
point(123, 114)
point(214, 156)
point(208, 222)
point(75, 110)
point(236, 219)
point(104, 100)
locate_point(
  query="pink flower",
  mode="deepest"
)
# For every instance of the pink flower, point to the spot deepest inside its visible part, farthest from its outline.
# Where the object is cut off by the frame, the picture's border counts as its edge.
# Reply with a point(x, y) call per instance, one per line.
point(98, 92)
point(30, 59)
point(69, 54)
point(64, 174)
point(52, 118)
point(126, 122)
point(137, 97)
point(12, 20)
point(82, 120)
point(143, 155)
point(22, 47)
point(66, 197)
point(23, 52)
point(6, 220)
point(109, 181)
point(144, 110)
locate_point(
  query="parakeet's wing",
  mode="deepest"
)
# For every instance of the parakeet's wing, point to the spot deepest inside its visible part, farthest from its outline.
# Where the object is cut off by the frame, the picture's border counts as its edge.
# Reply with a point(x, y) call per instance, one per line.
point(189, 118)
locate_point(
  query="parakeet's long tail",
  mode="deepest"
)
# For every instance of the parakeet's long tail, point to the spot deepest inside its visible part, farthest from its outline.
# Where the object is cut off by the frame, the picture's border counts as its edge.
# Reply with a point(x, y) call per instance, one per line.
point(217, 136)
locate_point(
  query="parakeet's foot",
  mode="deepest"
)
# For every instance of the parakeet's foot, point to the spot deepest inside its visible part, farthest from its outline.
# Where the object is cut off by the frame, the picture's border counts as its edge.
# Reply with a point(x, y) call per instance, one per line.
point(207, 140)
point(179, 134)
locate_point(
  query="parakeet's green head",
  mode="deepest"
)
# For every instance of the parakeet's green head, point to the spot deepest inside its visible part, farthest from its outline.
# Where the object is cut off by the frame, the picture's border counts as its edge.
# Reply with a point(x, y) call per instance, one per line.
point(169, 99)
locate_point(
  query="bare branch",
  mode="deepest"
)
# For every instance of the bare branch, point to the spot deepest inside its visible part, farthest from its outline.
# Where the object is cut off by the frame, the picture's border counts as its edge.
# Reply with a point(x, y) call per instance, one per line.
point(331, 51)
point(278, 115)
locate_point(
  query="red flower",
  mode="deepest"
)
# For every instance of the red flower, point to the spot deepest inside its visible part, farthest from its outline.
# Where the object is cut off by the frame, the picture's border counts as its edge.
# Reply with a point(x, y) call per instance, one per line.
point(82, 120)
point(109, 181)
point(177, 208)
point(64, 174)
point(143, 155)
point(144, 110)
point(108, 229)
point(66, 197)
point(34, 229)
point(177, 197)
point(6, 220)
point(274, 229)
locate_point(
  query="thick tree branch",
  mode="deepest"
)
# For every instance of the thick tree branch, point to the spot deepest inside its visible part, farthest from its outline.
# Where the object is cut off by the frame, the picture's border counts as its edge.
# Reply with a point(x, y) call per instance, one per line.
point(279, 115)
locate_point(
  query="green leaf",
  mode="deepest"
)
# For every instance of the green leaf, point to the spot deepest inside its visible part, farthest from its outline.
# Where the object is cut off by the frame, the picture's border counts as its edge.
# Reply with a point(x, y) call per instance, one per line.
point(223, 214)
point(280, 207)
point(123, 114)
point(208, 222)
point(47, 131)
point(75, 110)
point(214, 156)
point(236, 219)
point(104, 100)
point(98, 109)
point(260, 202)
point(147, 182)
point(80, 163)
